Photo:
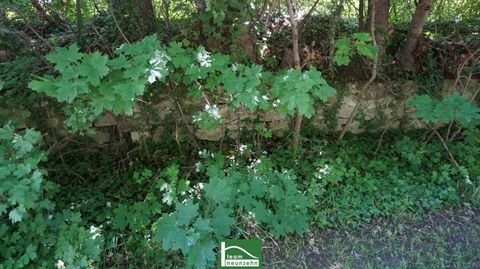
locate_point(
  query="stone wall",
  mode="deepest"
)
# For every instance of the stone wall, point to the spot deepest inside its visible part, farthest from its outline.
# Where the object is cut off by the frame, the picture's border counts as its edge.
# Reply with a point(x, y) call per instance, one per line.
point(382, 106)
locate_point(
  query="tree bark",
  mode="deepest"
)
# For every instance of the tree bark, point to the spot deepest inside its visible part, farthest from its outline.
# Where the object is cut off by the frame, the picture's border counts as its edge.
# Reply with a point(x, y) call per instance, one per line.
point(136, 18)
point(382, 8)
point(361, 16)
point(406, 59)
point(337, 13)
point(296, 64)
point(200, 5)
point(78, 8)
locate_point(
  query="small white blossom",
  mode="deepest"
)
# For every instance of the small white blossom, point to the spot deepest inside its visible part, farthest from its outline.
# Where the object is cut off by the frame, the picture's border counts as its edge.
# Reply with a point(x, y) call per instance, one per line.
point(213, 111)
point(242, 148)
point(95, 231)
point(276, 102)
point(264, 97)
point(60, 264)
point(467, 180)
point(256, 100)
point(323, 171)
point(197, 118)
point(158, 66)
point(203, 57)
point(234, 67)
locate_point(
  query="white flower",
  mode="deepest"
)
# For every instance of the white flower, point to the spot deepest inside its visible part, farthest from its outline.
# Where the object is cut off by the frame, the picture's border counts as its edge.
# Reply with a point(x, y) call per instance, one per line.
point(256, 100)
point(213, 111)
point(323, 171)
point(203, 57)
point(242, 148)
point(276, 102)
point(234, 67)
point(60, 264)
point(158, 66)
point(95, 231)
point(264, 97)
point(467, 180)
point(154, 74)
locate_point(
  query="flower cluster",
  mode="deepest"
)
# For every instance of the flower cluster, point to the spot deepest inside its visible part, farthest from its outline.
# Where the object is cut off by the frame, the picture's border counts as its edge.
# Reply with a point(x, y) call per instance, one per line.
point(158, 68)
point(203, 57)
point(213, 111)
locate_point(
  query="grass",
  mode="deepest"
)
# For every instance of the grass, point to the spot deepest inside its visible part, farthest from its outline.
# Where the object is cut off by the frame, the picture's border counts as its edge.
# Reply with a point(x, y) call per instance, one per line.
point(447, 239)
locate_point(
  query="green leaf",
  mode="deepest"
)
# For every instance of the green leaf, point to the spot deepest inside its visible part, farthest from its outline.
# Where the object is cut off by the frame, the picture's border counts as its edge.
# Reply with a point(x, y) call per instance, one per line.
point(363, 37)
point(201, 255)
point(366, 50)
point(94, 67)
point(218, 190)
point(16, 215)
point(186, 212)
point(64, 57)
point(173, 237)
point(423, 107)
point(221, 221)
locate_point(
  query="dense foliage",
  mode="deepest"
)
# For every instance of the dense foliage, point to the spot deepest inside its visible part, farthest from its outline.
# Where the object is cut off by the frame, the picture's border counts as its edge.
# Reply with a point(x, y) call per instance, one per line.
point(108, 110)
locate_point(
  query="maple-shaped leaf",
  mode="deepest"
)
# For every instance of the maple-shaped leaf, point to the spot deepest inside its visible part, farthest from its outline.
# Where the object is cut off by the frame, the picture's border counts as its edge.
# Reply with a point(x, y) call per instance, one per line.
point(173, 237)
point(221, 221)
point(16, 215)
point(94, 67)
point(43, 85)
point(201, 255)
point(366, 50)
point(362, 36)
point(186, 212)
point(323, 92)
point(424, 106)
point(64, 57)
point(218, 190)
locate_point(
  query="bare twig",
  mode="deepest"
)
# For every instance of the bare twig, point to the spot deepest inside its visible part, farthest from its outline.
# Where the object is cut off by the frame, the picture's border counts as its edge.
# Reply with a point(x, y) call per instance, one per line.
point(190, 131)
point(445, 146)
point(117, 25)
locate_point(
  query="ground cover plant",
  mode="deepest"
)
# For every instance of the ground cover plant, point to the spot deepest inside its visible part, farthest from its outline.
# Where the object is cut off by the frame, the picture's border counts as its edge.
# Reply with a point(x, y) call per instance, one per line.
point(141, 134)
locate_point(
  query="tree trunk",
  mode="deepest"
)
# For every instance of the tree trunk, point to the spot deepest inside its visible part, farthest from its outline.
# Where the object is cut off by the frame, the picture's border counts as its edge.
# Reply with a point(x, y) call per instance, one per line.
point(361, 16)
point(200, 5)
point(337, 13)
point(78, 8)
point(136, 18)
point(381, 24)
point(296, 64)
point(406, 59)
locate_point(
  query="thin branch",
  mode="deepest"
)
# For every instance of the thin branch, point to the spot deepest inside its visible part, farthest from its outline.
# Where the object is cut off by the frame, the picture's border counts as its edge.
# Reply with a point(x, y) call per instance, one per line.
point(117, 25)
point(445, 146)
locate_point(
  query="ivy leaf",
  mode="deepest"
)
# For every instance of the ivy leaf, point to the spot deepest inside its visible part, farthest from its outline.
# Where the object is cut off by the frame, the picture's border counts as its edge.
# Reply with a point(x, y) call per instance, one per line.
point(201, 255)
point(221, 221)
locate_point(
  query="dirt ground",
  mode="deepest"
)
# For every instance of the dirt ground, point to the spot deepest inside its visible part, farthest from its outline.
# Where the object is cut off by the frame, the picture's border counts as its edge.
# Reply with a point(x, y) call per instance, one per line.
point(447, 239)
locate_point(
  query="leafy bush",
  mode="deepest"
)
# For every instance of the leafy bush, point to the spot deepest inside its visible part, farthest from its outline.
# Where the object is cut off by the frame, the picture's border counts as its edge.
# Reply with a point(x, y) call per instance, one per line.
point(255, 195)
point(33, 234)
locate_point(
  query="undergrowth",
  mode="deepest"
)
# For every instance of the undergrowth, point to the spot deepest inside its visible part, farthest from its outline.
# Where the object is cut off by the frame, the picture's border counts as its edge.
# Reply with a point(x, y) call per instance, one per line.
point(151, 212)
